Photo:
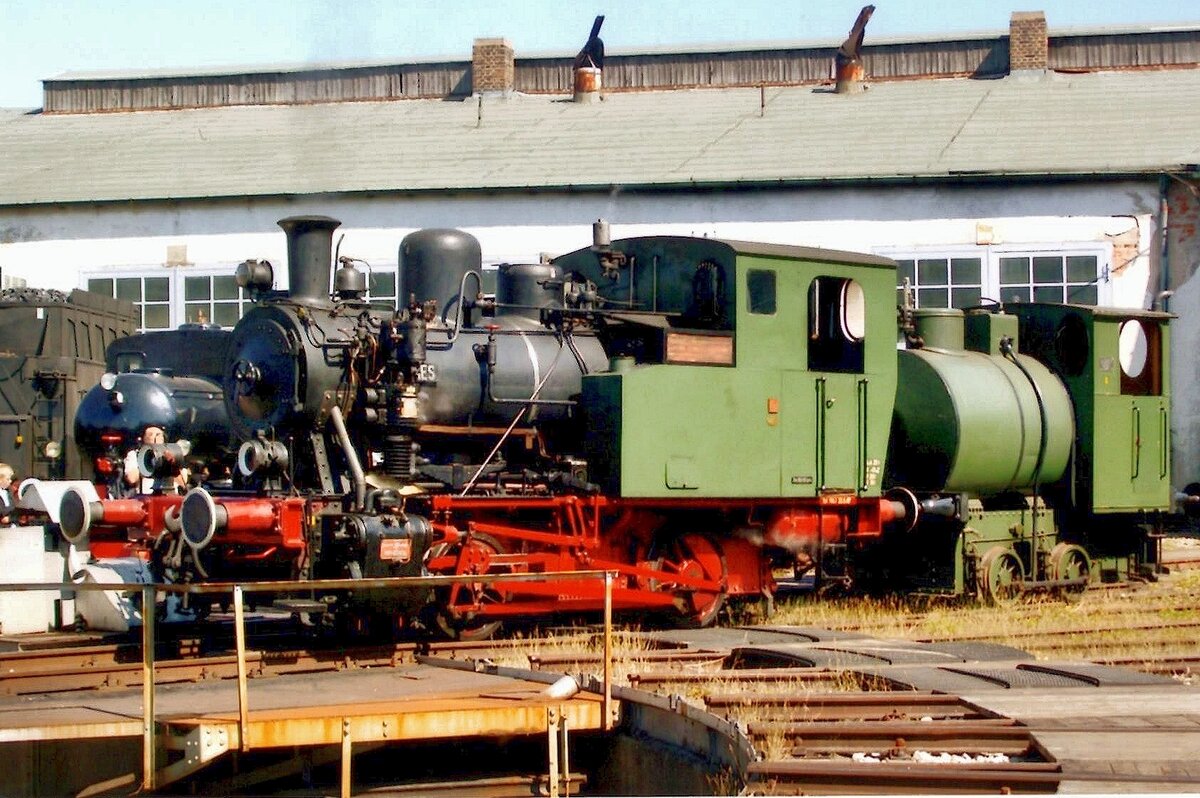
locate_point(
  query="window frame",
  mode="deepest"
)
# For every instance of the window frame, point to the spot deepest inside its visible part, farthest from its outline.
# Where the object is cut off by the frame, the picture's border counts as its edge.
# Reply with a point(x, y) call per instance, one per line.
point(990, 256)
point(177, 277)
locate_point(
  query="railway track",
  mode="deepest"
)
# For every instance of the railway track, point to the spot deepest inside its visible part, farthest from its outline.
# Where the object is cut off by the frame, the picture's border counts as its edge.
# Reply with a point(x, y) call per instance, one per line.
point(815, 728)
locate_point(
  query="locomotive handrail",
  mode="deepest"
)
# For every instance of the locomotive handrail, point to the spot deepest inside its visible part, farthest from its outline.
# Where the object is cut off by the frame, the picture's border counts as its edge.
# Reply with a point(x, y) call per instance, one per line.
point(150, 592)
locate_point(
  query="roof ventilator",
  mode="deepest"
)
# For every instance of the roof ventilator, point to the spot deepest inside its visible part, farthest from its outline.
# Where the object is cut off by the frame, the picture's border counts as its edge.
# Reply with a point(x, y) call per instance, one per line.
point(589, 64)
point(848, 66)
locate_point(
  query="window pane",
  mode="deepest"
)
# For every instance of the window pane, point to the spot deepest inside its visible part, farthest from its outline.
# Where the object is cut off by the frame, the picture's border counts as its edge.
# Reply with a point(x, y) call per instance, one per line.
point(904, 271)
point(966, 270)
point(129, 288)
point(196, 313)
point(1048, 270)
point(156, 317)
point(382, 284)
point(224, 288)
point(1081, 268)
point(1083, 294)
point(1014, 270)
point(103, 286)
point(1048, 293)
point(225, 313)
point(933, 298)
point(158, 289)
point(196, 288)
point(932, 272)
point(760, 285)
point(1014, 293)
point(966, 297)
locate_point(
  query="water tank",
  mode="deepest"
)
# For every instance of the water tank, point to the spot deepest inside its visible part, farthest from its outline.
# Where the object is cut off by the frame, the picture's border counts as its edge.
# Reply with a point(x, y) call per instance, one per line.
point(966, 421)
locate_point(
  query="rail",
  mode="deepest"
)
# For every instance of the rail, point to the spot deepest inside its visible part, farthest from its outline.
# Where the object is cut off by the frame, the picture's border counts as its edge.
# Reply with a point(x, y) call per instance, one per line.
point(150, 592)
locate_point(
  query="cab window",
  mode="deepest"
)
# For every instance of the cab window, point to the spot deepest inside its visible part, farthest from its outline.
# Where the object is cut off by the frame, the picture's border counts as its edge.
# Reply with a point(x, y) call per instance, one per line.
point(837, 313)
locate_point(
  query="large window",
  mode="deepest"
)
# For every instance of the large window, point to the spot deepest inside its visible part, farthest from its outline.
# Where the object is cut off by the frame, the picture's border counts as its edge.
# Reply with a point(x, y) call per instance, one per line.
point(168, 297)
point(1049, 278)
point(943, 282)
point(213, 299)
point(151, 295)
point(942, 279)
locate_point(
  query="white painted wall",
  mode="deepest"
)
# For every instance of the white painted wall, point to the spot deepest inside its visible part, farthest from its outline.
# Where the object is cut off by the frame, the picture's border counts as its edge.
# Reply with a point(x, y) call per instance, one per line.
point(1185, 383)
point(53, 247)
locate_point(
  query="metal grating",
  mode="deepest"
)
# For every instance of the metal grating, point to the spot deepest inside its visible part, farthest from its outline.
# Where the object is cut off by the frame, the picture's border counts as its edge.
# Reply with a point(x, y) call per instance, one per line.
point(1098, 675)
point(1015, 677)
point(984, 652)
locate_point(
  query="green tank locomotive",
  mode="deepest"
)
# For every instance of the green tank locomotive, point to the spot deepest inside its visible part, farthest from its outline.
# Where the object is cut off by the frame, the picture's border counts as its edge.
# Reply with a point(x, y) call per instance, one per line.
point(988, 452)
point(1047, 468)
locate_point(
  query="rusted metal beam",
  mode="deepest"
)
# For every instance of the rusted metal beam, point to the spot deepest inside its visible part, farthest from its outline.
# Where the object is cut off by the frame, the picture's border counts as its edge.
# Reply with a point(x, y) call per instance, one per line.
point(608, 649)
point(447, 718)
point(906, 776)
point(149, 740)
point(347, 759)
point(239, 622)
point(751, 675)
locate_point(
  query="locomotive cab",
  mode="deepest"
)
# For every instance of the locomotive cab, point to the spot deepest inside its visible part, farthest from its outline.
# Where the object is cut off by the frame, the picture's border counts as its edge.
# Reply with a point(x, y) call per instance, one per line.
point(752, 370)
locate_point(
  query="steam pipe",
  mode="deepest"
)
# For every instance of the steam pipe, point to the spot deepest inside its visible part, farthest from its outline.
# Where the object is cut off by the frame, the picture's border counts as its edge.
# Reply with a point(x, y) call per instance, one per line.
point(1164, 261)
point(1006, 348)
point(356, 472)
point(458, 311)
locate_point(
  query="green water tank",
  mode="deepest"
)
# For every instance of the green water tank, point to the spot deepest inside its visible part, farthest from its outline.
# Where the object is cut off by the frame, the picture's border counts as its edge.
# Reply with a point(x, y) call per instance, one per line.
point(969, 422)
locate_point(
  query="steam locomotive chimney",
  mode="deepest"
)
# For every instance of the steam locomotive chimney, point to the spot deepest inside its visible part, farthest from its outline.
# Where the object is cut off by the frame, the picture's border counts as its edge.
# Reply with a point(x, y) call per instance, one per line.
point(310, 244)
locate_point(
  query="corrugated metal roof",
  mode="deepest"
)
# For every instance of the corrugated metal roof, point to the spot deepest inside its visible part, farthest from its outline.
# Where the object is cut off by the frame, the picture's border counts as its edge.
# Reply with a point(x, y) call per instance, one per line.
point(1106, 123)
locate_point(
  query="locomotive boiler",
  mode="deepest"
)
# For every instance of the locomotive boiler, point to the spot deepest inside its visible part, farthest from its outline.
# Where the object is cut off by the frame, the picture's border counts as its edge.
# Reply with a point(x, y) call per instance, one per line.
point(691, 414)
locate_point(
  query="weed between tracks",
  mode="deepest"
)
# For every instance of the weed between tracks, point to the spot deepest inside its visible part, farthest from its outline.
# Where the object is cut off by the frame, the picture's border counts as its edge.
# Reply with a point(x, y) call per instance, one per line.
point(1159, 619)
point(1131, 624)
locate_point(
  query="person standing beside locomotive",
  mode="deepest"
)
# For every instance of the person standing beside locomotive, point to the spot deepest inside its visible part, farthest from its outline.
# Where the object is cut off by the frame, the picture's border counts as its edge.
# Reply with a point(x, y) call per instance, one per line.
point(8, 499)
point(134, 481)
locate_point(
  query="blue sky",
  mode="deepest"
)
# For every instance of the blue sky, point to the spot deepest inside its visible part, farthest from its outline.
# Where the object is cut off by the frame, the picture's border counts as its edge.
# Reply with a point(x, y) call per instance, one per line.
point(43, 38)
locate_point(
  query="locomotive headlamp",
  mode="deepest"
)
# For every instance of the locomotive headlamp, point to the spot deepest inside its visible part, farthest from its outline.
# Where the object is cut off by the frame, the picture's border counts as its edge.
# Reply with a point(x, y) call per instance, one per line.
point(108, 381)
point(256, 274)
point(52, 450)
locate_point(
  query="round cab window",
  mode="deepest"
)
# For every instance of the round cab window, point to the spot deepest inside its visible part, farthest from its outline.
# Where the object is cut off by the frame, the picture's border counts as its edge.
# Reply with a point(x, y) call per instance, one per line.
point(854, 311)
point(1133, 347)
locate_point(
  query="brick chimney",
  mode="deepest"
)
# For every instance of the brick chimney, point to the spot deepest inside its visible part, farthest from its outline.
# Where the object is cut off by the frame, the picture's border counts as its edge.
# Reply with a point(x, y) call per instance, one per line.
point(1028, 48)
point(492, 67)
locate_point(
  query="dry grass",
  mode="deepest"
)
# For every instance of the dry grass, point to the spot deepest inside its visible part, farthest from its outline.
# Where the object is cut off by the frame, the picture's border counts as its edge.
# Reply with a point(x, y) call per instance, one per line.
point(1045, 626)
point(1040, 624)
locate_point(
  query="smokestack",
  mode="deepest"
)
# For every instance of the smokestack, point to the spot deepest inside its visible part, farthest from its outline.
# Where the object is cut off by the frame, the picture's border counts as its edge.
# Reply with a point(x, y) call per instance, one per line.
point(589, 66)
point(848, 67)
point(310, 245)
point(1028, 43)
point(493, 68)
